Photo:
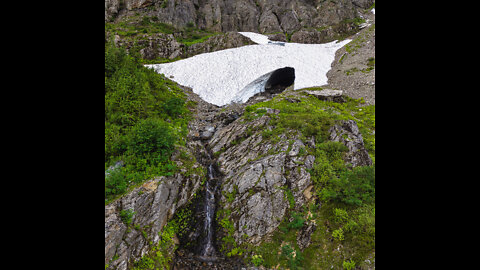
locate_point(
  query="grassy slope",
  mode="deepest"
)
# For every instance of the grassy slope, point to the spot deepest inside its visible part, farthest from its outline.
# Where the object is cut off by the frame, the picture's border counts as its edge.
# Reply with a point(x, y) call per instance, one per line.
point(146, 116)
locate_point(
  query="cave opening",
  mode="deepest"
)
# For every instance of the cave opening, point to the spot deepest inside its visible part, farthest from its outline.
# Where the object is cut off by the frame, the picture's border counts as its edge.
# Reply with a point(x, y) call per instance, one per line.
point(280, 80)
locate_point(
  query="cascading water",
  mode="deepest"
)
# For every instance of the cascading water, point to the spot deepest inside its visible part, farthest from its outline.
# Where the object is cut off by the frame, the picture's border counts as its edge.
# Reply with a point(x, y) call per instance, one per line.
point(207, 248)
point(205, 254)
point(198, 246)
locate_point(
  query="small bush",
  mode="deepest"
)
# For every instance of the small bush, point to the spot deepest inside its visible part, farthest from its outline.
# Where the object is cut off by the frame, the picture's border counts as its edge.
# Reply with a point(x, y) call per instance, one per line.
point(355, 187)
point(338, 235)
point(341, 215)
point(152, 139)
point(257, 260)
point(115, 183)
point(174, 107)
point(348, 265)
point(294, 257)
point(297, 221)
point(126, 216)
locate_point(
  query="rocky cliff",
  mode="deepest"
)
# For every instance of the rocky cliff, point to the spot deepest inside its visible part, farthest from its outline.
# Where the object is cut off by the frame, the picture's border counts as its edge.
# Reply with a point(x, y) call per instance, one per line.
point(325, 19)
point(166, 46)
point(134, 222)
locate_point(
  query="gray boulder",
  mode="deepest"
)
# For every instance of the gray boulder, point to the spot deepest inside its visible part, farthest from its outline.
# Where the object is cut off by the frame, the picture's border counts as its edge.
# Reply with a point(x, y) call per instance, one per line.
point(347, 132)
point(328, 95)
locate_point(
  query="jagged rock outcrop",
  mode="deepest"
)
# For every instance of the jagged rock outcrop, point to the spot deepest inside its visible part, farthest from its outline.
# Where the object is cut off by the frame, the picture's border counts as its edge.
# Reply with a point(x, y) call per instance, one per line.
point(152, 205)
point(218, 42)
point(347, 132)
point(257, 174)
point(161, 45)
point(264, 16)
point(112, 7)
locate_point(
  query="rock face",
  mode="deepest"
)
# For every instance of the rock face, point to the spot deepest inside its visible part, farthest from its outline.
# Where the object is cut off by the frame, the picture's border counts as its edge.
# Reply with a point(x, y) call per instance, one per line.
point(257, 174)
point(152, 205)
point(264, 16)
point(218, 42)
point(347, 133)
point(161, 45)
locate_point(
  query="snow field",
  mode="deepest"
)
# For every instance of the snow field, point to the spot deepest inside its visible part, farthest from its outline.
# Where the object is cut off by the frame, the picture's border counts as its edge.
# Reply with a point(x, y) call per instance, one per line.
point(219, 77)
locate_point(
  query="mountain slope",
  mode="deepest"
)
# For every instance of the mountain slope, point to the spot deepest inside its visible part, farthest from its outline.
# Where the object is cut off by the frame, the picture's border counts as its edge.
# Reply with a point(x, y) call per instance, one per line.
point(353, 69)
point(296, 170)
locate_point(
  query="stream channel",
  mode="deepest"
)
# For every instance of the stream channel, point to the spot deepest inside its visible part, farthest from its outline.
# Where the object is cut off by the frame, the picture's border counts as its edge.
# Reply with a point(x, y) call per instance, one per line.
point(204, 254)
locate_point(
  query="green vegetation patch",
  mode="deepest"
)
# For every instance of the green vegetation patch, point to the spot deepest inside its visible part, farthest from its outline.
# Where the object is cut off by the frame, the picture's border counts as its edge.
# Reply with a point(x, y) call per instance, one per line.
point(146, 117)
point(314, 117)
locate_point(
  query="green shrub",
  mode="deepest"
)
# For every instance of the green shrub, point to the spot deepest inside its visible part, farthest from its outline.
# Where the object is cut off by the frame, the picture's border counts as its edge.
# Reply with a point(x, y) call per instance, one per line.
point(338, 235)
point(257, 260)
point(297, 221)
point(341, 215)
point(348, 265)
point(174, 107)
point(126, 216)
point(235, 251)
point(145, 116)
point(151, 138)
point(354, 187)
point(294, 257)
point(115, 183)
point(145, 263)
point(351, 226)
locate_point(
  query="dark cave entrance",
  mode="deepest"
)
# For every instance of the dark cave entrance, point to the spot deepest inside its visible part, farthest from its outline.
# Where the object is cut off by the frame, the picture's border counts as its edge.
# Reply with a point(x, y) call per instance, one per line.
point(280, 79)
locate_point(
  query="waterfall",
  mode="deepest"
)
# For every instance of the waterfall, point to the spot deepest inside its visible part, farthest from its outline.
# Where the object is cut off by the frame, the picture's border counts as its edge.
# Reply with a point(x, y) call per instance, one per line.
point(207, 247)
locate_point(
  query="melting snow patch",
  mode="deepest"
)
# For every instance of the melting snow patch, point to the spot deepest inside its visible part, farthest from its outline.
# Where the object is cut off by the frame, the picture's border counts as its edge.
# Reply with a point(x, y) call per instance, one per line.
point(255, 37)
point(227, 76)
